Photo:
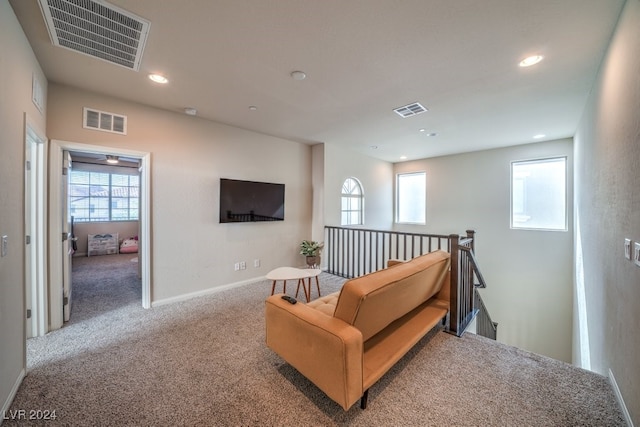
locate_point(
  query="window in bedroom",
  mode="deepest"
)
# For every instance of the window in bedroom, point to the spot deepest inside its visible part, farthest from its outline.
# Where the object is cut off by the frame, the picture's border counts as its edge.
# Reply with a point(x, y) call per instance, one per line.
point(101, 196)
point(411, 198)
point(539, 194)
point(352, 210)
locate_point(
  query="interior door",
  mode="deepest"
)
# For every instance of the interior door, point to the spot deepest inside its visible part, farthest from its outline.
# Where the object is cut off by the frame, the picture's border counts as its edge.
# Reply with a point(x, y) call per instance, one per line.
point(67, 250)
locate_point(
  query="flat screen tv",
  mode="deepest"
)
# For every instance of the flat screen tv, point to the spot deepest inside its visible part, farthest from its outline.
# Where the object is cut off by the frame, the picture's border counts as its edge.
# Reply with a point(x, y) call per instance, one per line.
point(250, 201)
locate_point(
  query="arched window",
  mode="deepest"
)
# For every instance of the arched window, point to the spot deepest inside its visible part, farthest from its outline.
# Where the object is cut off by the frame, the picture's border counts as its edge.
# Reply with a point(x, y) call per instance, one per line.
point(352, 202)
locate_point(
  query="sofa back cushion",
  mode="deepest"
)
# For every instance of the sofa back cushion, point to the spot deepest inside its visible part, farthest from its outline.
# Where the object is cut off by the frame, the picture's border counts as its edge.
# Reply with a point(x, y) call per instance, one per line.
point(373, 301)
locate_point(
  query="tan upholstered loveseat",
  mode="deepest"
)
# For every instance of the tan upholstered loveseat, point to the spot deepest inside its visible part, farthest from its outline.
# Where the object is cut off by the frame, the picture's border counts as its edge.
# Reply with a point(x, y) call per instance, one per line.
point(346, 341)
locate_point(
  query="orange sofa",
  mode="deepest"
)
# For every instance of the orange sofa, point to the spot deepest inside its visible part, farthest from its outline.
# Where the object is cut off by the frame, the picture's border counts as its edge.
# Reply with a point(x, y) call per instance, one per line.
point(346, 341)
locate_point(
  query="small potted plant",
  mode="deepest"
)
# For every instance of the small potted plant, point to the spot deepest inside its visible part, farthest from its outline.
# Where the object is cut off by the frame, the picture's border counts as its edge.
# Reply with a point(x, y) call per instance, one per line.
point(311, 250)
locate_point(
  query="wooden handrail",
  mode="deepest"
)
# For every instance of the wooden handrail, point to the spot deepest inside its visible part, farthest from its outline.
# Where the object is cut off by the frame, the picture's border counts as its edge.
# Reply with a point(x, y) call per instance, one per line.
point(474, 263)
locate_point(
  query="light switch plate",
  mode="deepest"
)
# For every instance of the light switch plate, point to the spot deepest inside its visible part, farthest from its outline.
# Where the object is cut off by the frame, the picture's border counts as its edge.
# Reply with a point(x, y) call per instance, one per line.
point(5, 243)
point(636, 253)
point(627, 248)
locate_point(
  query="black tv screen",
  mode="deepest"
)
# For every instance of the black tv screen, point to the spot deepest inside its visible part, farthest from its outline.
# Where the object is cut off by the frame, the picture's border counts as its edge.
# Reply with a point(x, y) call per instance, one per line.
point(249, 201)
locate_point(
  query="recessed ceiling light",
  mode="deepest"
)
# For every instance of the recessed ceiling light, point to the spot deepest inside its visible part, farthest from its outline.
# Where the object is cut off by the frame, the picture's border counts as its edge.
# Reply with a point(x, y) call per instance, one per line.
point(531, 60)
point(538, 136)
point(431, 134)
point(158, 78)
point(422, 130)
point(253, 107)
point(403, 157)
point(298, 75)
point(190, 111)
point(373, 147)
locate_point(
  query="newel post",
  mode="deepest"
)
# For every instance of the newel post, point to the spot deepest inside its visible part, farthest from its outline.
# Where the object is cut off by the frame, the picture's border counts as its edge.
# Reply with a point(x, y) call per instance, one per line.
point(471, 235)
point(454, 298)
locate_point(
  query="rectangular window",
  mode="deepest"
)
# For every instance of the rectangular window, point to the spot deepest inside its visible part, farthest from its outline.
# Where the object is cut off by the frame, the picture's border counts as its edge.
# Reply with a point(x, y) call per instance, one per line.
point(351, 210)
point(411, 198)
point(539, 194)
point(100, 196)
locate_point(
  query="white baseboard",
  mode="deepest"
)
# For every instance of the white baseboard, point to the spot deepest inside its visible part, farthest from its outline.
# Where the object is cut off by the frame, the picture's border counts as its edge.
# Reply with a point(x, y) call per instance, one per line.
point(620, 399)
point(209, 291)
point(12, 395)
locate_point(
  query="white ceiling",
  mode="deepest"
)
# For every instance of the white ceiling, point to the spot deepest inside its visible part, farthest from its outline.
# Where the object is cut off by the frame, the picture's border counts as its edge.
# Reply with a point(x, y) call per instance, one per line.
point(459, 58)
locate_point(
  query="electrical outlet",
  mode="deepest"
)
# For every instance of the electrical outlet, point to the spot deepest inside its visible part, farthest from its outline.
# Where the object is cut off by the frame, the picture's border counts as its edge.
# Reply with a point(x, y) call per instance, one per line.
point(636, 253)
point(256, 263)
point(5, 244)
point(236, 266)
point(243, 265)
point(627, 248)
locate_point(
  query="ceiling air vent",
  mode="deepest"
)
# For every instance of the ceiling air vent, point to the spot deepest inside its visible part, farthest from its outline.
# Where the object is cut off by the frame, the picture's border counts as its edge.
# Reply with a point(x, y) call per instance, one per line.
point(97, 28)
point(410, 110)
point(103, 121)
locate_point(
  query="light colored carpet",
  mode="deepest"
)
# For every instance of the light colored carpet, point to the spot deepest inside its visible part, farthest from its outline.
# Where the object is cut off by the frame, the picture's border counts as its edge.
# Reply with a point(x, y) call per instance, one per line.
point(203, 362)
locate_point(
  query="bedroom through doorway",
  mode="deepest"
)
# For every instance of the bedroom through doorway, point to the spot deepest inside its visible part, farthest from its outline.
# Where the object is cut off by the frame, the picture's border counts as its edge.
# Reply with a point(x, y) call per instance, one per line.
point(104, 209)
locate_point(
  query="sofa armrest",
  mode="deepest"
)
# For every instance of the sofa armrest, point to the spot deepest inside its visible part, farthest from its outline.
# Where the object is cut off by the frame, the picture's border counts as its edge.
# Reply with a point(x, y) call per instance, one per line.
point(326, 350)
point(393, 261)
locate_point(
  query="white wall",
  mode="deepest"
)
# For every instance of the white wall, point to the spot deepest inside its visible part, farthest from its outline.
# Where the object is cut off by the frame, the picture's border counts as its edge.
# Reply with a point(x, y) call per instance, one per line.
point(190, 251)
point(376, 177)
point(332, 165)
point(528, 273)
point(607, 152)
point(18, 65)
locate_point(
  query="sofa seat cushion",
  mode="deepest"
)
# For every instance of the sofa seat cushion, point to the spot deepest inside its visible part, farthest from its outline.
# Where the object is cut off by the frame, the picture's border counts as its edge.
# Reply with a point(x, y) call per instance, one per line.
point(373, 301)
point(384, 349)
point(325, 304)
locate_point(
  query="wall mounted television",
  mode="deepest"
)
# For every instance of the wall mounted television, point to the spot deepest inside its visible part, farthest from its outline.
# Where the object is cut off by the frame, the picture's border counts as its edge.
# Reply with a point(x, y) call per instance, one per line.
point(250, 201)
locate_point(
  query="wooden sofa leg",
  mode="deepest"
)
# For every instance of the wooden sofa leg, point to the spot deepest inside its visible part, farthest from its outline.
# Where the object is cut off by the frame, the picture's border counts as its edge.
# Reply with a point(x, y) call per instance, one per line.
point(363, 399)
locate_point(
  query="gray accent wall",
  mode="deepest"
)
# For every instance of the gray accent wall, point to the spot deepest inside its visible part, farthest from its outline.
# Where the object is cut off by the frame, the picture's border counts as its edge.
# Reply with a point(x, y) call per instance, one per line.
point(607, 158)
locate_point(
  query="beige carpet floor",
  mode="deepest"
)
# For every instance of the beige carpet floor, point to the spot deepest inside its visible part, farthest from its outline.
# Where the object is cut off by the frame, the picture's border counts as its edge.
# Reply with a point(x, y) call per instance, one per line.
point(203, 362)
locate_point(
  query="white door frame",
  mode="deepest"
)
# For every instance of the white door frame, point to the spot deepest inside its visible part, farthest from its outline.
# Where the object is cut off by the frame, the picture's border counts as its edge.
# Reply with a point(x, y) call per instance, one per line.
point(66, 243)
point(36, 229)
point(56, 149)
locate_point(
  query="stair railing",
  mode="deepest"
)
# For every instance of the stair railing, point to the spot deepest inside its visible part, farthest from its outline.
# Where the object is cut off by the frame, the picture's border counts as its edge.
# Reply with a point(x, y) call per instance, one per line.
point(352, 252)
point(484, 325)
point(465, 301)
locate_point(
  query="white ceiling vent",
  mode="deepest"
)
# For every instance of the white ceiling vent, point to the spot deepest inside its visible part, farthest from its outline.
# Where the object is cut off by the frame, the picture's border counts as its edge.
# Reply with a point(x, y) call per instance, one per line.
point(97, 28)
point(103, 121)
point(410, 110)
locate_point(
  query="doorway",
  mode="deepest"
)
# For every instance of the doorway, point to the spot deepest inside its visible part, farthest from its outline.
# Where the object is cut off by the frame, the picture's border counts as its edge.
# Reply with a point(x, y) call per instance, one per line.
point(59, 224)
